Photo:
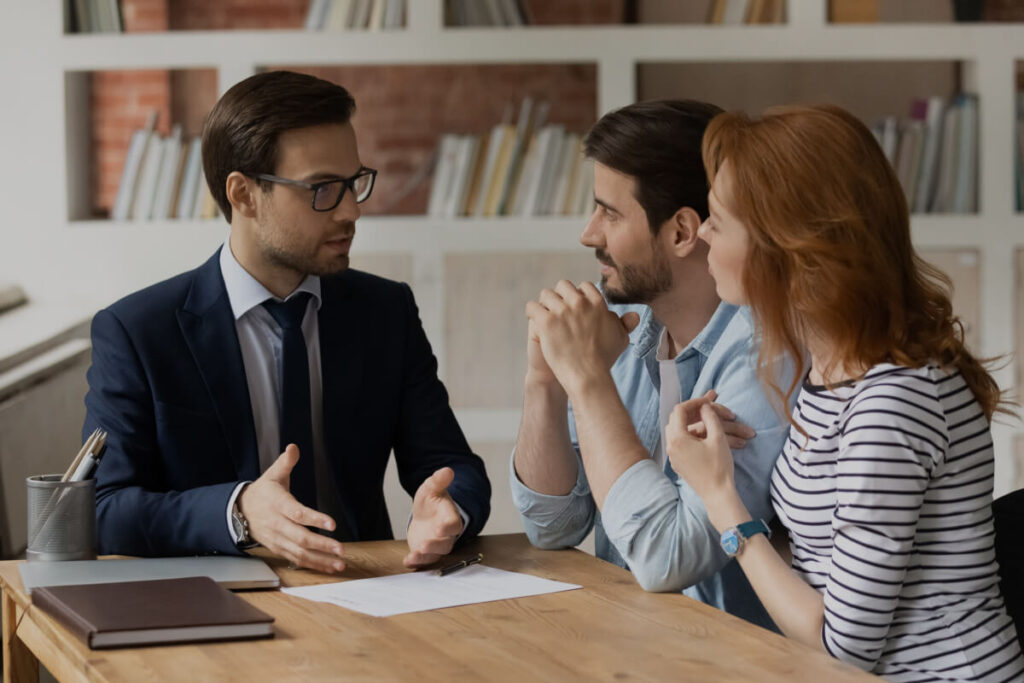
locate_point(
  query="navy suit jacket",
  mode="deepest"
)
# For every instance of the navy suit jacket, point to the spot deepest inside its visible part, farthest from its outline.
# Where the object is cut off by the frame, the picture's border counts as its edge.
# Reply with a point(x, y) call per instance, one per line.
point(168, 384)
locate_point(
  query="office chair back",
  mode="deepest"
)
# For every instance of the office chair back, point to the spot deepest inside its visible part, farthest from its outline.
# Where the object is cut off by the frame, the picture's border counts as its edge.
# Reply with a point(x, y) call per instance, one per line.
point(1008, 512)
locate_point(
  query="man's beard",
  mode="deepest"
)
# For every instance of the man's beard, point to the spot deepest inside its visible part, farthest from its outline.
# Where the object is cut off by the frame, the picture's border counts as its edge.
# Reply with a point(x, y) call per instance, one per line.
point(637, 284)
point(305, 263)
point(308, 265)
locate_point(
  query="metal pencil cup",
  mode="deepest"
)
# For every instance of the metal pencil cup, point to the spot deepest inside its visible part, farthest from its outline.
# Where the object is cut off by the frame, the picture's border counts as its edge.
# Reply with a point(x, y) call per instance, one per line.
point(61, 518)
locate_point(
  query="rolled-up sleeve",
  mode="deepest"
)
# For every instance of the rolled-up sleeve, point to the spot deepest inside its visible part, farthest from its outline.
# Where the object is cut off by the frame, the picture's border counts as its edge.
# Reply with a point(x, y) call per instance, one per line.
point(554, 522)
point(661, 529)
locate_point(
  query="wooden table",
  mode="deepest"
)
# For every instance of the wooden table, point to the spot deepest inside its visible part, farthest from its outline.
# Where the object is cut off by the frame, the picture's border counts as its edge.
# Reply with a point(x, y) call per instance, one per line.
point(609, 630)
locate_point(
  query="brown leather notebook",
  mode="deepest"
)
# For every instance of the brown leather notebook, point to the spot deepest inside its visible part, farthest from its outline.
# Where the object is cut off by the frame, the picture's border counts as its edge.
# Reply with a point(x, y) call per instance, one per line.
point(150, 612)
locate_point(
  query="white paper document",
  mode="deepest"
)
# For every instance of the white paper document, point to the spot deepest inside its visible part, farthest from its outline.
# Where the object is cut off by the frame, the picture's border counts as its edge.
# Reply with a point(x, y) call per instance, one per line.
point(385, 596)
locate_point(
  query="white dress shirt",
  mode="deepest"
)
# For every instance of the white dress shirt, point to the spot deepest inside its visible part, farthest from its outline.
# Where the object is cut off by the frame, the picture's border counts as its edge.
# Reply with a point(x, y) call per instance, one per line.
point(669, 394)
point(260, 339)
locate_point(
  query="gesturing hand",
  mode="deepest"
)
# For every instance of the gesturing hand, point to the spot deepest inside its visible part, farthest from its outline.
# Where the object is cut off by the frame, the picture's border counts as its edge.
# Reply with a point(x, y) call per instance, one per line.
point(436, 521)
point(576, 331)
point(704, 462)
point(278, 521)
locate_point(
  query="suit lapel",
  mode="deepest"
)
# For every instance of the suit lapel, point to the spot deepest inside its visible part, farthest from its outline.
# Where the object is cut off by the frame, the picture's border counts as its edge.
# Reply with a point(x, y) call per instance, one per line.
point(342, 365)
point(208, 326)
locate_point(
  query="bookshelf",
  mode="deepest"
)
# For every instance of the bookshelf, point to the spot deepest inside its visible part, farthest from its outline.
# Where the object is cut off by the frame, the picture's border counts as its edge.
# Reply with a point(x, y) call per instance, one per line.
point(432, 254)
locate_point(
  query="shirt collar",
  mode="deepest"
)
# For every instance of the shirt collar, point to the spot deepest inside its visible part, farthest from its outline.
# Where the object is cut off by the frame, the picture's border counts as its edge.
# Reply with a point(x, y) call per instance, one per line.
point(647, 334)
point(245, 292)
point(707, 338)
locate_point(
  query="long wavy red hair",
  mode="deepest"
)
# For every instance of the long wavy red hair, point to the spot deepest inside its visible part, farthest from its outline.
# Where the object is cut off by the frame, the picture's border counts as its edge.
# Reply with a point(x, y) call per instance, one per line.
point(830, 250)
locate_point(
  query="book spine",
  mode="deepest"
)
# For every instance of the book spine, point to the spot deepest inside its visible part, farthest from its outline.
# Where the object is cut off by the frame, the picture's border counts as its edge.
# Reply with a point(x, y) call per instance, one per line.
point(315, 15)
point(965, 193)
point(393, 15)
point(72, 621)
point(129, 175)
point(853, 11)
point(439, 190)
point(361, 14)
point(549, 171)
point(190, 183)
point(930, 158)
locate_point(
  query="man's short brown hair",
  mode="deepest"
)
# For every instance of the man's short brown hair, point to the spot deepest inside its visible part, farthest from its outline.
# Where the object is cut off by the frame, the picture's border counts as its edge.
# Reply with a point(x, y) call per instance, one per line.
point(241, 131)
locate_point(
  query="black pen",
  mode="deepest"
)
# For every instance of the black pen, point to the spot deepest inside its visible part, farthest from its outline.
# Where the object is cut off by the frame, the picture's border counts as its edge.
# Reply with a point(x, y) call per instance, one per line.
point(445, 571)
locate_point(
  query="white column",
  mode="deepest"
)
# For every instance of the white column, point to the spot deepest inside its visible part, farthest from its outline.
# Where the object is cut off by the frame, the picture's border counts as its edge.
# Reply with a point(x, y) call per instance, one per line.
point(616, 83)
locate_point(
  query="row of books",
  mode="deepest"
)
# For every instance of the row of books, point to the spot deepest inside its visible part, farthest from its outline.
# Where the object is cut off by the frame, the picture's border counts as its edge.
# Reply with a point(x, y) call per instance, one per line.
point(528, 169)
point(747, 12)
point(93, 16)
point(355, 15)
point(935, 153)
point(163, 178)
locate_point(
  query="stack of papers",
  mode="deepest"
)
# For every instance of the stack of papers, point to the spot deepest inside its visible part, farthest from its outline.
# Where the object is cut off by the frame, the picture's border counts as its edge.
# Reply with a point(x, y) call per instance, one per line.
point(386, 596)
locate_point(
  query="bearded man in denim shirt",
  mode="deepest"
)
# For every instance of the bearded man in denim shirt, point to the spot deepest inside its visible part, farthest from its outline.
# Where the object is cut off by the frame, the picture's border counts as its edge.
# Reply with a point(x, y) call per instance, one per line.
point(666, 338)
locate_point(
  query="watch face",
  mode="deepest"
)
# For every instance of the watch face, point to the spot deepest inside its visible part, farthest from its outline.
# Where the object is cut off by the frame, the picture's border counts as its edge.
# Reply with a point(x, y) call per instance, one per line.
point(730, 544)
point(240, 528)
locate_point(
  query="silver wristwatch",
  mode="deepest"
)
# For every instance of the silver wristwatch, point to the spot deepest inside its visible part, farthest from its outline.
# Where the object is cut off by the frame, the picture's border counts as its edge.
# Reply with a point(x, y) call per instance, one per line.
point(240, 526)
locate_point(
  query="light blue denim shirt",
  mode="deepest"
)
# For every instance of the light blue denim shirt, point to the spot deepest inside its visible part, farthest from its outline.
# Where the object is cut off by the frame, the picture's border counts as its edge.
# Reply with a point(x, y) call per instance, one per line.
point(653, 523)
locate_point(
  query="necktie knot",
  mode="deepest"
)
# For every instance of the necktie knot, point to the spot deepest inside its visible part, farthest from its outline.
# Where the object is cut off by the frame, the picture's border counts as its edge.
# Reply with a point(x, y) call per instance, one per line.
point(288, 314)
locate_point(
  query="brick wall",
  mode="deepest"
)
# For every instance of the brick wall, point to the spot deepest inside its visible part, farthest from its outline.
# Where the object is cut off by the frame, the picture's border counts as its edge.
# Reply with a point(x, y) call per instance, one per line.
point(574, 11)
point(121, 102)
point(402, 110)
point(145, 15)
point(219, 15)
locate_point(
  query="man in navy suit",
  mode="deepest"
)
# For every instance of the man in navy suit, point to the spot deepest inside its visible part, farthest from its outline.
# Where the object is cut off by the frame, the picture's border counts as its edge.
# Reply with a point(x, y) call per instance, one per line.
point(257, 398)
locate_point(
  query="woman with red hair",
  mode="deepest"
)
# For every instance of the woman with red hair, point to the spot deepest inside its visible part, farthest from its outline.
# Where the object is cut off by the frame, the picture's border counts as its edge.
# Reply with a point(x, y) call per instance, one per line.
point(885, 483)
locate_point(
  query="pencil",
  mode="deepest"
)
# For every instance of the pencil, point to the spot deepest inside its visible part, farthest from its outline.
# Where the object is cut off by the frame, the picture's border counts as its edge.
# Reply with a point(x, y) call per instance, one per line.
point(86, 447)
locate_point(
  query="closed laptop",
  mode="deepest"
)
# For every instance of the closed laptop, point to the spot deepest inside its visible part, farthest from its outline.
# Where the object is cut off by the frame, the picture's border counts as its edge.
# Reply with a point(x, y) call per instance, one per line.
point(233, 573)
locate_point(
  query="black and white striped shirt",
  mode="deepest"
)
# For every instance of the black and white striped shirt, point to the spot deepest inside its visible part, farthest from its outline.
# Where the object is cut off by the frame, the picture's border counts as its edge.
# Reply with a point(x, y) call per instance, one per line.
point(889, 510)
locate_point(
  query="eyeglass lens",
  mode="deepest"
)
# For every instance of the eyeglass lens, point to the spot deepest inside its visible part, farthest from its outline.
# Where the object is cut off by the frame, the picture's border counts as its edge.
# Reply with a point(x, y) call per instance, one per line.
point(329, 195)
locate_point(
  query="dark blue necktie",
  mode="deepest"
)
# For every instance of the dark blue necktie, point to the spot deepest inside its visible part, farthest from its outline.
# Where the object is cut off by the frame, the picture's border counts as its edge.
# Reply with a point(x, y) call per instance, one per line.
point(294, 407)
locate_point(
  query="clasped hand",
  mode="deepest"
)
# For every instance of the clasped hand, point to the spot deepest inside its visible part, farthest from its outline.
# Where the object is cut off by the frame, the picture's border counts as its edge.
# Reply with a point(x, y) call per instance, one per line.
point(574, 333)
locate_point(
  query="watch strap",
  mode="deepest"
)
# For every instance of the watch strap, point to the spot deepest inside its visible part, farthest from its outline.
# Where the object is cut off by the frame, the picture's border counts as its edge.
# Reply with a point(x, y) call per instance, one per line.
point(754, 527)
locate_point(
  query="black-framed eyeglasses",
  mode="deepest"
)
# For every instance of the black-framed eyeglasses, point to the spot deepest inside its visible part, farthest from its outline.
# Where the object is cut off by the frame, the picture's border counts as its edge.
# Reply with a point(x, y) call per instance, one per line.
point(327, 194)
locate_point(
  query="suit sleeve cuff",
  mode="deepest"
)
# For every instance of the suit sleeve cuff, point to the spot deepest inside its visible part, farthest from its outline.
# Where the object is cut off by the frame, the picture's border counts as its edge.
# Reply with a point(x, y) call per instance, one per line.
point(465, 520)
point(231, 504)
